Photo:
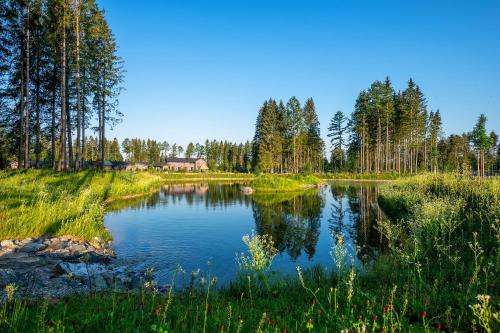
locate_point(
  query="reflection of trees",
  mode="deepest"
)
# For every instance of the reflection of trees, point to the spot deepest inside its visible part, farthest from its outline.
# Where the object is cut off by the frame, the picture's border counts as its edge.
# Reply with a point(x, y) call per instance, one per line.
point(208, 194)
point(363, 212)
point(293, 223)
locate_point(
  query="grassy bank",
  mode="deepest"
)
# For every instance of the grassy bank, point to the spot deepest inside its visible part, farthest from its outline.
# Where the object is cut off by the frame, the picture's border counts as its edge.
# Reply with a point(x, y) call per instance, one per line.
point(212, 176)
point(35, 202)
point(282, 183)
point(41, 202)
point(442, 241)
point(363, 176)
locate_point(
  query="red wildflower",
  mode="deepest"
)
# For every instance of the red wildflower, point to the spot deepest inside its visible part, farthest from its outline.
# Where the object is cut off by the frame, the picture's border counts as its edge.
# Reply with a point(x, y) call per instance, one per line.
point(284, 331)
point(439, 326)
point(375, 318)
point(384, 309)
point(158, 311)
point(424, 314)
point(382, 329)
point(222, 328)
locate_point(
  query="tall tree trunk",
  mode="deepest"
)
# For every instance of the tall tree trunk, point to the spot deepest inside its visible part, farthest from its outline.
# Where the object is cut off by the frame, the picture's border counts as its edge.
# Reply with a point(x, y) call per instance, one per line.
point(78, 96)
point(53, 123)
point(38, 147)
point(69, 128)
point(27, 115)
point(20, 155)
point(62, 143)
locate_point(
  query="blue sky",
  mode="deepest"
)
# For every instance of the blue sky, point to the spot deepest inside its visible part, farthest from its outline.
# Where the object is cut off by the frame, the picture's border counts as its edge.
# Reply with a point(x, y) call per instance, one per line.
point(201, 69)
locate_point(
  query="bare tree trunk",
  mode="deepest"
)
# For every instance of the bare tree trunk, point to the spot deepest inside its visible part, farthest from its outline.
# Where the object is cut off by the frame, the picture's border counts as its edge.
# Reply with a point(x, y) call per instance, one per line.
point(53, 125)
point(62, 143)
point(78, 96)
point(38, 147)
point(69, 128)
point(20, 155)
point(27, 115)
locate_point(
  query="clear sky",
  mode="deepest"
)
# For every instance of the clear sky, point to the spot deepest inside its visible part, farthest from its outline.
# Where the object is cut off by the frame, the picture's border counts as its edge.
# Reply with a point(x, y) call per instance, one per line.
point(201, 69)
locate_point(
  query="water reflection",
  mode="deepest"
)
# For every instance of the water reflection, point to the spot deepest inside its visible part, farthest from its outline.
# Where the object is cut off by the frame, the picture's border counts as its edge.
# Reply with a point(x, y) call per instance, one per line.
point(294, 223)
point(187, 224)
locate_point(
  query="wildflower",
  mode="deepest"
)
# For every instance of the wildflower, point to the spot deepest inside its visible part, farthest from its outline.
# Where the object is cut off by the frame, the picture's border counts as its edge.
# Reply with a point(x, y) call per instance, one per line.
point(222, 328)
point(375, 318)
point(384, 309)
point(284, 331)
point(424, 314)
point(439, 326)
point(382, 329)
point(158, 311)
point(313, 302)
point(310, 325)
point(10, 290)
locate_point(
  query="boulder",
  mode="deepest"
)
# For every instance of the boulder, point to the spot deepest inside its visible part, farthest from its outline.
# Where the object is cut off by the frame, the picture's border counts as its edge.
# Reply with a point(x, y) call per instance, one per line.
point(8, 244)
point(79, 270)
point(7, 276)
point(32, 247)
point(247, 190)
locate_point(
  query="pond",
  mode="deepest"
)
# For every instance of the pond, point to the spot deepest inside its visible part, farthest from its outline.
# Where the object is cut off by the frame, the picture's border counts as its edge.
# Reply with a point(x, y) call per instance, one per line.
point(193, 224)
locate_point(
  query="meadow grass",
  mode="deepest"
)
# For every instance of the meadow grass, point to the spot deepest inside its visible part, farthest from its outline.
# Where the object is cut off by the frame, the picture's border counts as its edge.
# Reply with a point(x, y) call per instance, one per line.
point(283, 183)
point(363, 175)
point(38, 202)
point(440, 273)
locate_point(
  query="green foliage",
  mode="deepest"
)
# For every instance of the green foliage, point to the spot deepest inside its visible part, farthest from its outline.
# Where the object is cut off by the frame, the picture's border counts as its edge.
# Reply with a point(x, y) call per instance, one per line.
point(275, 183)
point(438, 273)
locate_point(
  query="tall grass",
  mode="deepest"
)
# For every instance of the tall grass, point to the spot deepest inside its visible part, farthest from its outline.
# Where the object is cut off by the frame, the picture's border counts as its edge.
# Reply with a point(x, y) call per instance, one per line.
point(36, 202)
point(283, 183)
point(440, 273)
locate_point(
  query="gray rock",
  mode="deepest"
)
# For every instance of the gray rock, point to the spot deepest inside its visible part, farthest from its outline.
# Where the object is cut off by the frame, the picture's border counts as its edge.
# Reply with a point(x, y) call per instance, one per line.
point(7, 276)
point(99, 282)
point(13, 256)
point(33, 247)
point(78, 248)
point(80, 270)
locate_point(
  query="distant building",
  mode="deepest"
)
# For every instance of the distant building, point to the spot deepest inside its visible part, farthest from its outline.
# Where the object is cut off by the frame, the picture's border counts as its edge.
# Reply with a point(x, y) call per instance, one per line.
point(182, 164)
point(138, 166)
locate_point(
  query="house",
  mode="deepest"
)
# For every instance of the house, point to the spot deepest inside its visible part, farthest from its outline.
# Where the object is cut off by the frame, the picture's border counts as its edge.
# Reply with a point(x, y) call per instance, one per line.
point(184, 164)
point(138, 166)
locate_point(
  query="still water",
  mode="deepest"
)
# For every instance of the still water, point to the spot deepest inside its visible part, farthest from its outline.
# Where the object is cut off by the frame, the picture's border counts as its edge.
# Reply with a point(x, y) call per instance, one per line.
point(190, 225)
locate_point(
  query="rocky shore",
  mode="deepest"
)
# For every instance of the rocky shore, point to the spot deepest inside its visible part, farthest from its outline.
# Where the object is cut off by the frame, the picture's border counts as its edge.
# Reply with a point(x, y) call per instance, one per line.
point(55, 267)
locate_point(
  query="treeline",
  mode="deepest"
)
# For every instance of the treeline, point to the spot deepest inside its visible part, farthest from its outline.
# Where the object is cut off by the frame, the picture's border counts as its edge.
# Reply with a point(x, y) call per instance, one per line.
point(220, 155)
point(59, 73)
point(393, 131)
point(287, 138)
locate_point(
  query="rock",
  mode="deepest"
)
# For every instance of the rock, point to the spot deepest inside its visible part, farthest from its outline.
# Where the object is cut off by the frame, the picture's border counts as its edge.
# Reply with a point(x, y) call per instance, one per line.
point(55, 244)
point(13, 256)
point(246, 190)
point(78, 248)
point(8, 244)
point(99, 282)
point(32, 247)
point(80, 270)
point(7, 276)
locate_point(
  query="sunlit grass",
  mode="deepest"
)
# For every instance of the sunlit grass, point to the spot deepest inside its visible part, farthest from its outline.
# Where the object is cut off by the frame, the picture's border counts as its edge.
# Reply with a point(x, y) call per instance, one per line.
point(441, 260)
point(283, 183)
point(36, 203)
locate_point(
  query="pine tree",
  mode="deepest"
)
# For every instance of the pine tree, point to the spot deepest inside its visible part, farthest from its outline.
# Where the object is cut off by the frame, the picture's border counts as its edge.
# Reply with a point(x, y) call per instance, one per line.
point(336, 132)
point(481, 142)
